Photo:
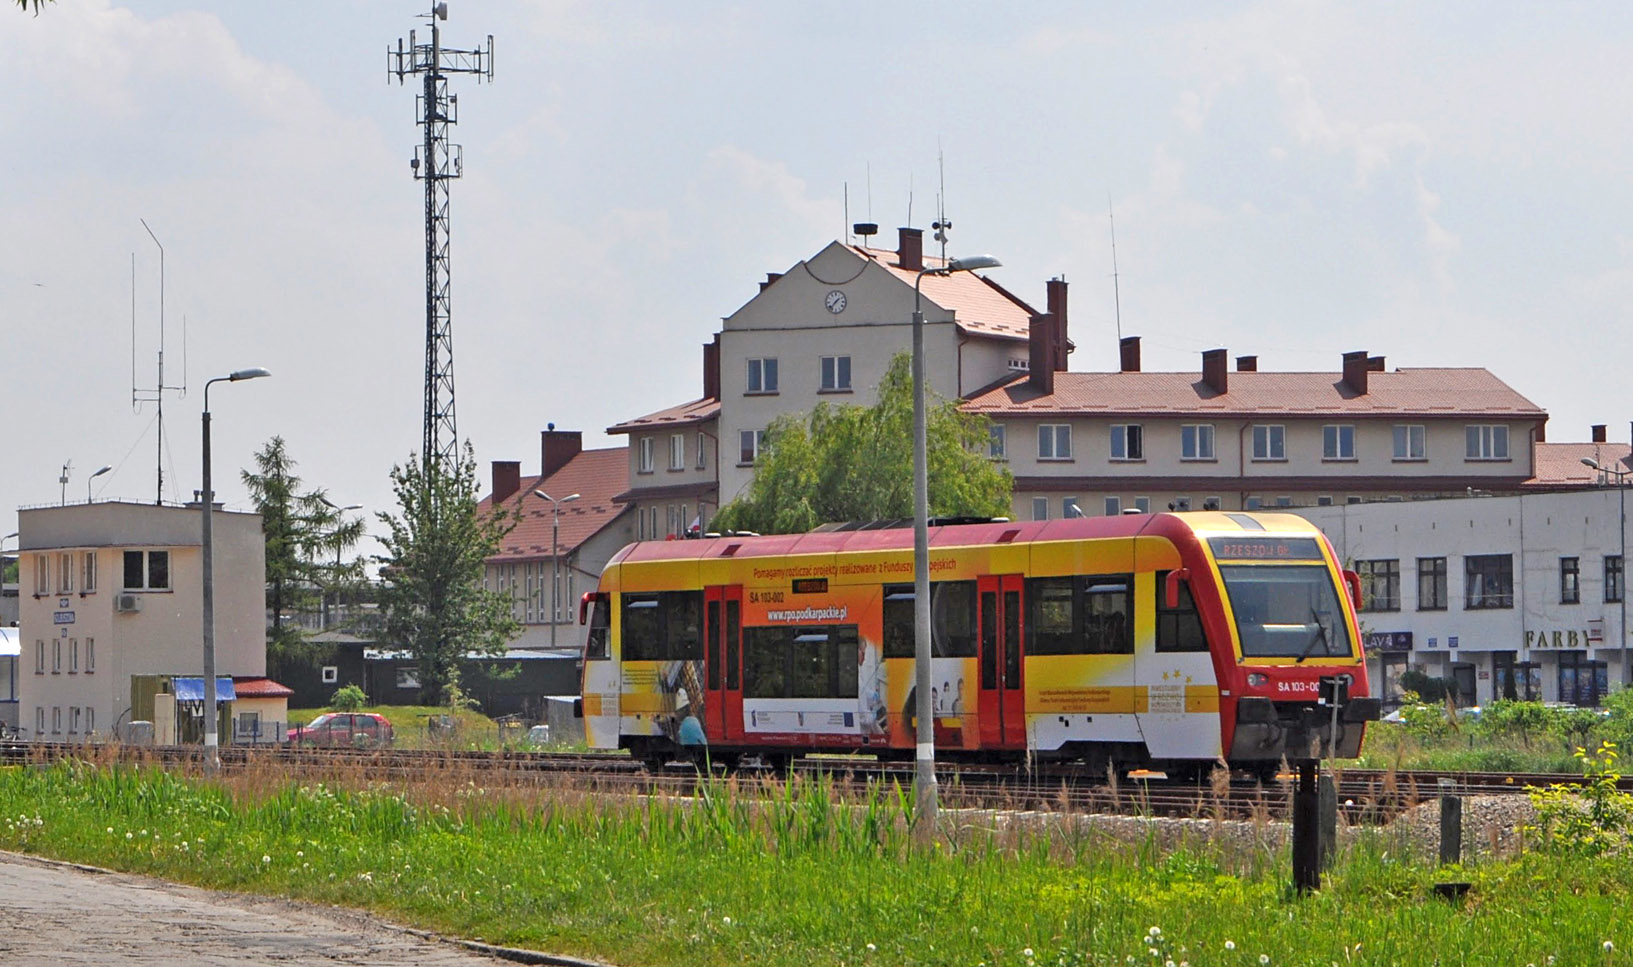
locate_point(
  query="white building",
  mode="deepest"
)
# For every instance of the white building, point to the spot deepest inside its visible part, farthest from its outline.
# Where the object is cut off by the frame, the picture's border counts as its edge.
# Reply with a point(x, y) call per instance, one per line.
point(113, 590)
point(1508, 597)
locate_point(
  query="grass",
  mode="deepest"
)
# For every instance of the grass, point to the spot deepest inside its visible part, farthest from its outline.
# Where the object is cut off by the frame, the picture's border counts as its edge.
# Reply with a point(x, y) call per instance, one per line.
point(797, 874)
point(472, 729)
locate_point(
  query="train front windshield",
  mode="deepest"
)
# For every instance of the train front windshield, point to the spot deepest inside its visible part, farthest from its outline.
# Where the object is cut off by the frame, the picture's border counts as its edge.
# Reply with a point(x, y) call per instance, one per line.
point(1287, 611)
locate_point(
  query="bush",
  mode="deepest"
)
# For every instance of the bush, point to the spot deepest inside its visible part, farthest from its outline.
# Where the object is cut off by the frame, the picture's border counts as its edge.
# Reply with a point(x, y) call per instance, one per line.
point(348, 698)
point(1589, 819)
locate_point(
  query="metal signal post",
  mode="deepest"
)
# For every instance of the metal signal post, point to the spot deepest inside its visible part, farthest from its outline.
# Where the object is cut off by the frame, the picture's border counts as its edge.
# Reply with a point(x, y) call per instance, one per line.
point(436, 162)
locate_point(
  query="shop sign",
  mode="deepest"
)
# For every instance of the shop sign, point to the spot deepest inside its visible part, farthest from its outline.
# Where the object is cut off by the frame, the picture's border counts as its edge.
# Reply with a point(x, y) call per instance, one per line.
point(1559, 638)
point(1388, 641)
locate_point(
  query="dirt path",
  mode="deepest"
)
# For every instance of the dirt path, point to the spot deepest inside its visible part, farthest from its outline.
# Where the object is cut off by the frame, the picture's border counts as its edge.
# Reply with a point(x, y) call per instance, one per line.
point(53, 913)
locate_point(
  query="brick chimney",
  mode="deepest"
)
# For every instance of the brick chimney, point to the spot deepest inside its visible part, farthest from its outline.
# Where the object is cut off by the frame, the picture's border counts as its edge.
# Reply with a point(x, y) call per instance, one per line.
point(910, 249)
point(1041, 352)
point(557, 448)
point(1375, 364)
point(770, 277)
point(1598, 433)
point(1128, 351)
point(1247, 364)
point(711, 369)
point(507, 479)
point(1356, 367)
point(1056, 289)
point(1215, 370)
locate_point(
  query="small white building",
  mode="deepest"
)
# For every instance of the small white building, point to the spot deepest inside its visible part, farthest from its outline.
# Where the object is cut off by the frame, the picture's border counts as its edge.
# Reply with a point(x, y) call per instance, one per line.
point(113, 590)
point(1508, 597)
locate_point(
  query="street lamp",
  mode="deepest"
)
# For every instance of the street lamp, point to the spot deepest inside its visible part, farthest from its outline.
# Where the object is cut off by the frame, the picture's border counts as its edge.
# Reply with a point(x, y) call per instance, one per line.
point(1621, 528)
point(555, 559)
point(924, 762)
point(212, 754)
point(338, 512)
point(105, 469)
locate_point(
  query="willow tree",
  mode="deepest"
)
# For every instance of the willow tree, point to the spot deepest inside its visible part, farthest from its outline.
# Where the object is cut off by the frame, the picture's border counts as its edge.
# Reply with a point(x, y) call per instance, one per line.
point(848, 462)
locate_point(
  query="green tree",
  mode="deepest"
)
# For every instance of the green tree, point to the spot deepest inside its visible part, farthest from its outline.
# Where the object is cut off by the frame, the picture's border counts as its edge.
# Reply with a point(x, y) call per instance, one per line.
point(305, 536)
point(850, 462)
point(435, 606)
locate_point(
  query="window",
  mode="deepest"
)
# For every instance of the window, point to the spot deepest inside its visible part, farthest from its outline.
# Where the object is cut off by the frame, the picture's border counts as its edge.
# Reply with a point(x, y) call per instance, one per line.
point(1178, 629)
point(595, 640)
point(1253, 503)
point(90, 656)
point(803, 661)
point(1338, 442)
point(87, 581)
point(90, 720)
point(762, 375)
point(73, 720)
point(749, 443)
point(73, 656)
point(147, 570)
point(1431, 584)
point(1613, 577)
point(1196, 441)
point(1488, 581)
point(1212, 503)
point(952, 620)
point(1269, 442)
point(836, 374)
point(1570, 580)
point(56, 656)
point(1114, 506)
point(39, 720)
point(56, 719)
point(42, 574)
point(677, 451)
point(995, 442)
point(701, 437)
point(1325, 500)
point(1040, 508)
point(1069, 507)
point(39, 657)
point(1142, 504)
point(331, 674)
point(644, 461)
point(1380, 585)
point(1409, 442)
point(65, 572)
point(408, 677)
point(1086, 615)
point(1054, 441)
point(1486, 442)
point(1127, 442)
point(663, 626)
point(1180, 503)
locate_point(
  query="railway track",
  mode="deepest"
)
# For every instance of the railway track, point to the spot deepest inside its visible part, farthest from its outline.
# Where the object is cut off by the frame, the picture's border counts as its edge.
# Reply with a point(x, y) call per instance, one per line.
point(1364, 795)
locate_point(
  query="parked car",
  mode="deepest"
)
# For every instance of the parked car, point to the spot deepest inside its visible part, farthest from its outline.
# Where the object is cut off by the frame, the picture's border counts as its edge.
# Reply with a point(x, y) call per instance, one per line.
point(538, 736)
point(344, 730)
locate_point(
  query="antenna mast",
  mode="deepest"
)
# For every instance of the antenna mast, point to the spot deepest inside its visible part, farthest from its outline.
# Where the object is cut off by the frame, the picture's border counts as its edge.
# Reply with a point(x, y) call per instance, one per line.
point(942, 225)
point(437, 162)
point(159, 389)
point(1116, 295)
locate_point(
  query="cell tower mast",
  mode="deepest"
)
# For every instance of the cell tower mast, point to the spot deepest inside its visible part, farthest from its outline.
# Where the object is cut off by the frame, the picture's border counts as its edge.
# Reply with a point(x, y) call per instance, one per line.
point(437, 162)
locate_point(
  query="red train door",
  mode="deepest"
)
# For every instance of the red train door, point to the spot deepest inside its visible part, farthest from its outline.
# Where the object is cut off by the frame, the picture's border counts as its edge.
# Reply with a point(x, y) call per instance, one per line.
point(723, 663)
point(1002, 698)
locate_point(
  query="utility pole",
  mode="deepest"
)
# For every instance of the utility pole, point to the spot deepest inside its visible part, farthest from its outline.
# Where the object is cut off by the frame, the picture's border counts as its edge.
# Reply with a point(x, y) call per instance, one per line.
point(436, 162)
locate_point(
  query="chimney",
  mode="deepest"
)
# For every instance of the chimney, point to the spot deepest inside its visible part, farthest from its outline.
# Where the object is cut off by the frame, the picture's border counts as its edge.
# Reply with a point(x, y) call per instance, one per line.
point(770, 277)
point(557, 448)
point(1041, 351)
point(1215, 370)
point(1355, 371)
point(1542, 432)
point(1375, 364)
point(1247, 364)
point(507, 479)
point(1598, 433)
point(1128, 349)
point(1057, 307)
point(910, 250)
point(711, 369)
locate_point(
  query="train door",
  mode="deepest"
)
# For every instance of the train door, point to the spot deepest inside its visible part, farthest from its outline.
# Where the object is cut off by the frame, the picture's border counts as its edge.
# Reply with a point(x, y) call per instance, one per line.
point(1002, 698)
point(723, 663)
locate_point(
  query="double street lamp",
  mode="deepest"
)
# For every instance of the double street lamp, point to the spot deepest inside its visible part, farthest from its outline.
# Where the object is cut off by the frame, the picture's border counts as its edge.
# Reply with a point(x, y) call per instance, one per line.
point(212, 753)
point(924, 761)
point(555, 558)
point(1621, 529)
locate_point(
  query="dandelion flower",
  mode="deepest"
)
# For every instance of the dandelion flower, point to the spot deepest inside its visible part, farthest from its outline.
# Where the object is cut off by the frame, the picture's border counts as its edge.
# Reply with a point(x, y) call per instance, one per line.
point(1154, 932)
point(872, 948)
point(128, 834)
point(300, 853)
point(265, 858)
point(1153, 951)
point(1230, 945)
point(726, 921)
point(1027, 953)
point(1264, 958)
point(1609, 946)
point(110, 830)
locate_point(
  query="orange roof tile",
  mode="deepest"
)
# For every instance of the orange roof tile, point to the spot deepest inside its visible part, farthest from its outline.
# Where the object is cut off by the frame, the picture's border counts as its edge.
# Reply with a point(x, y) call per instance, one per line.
point(1403, 392)
point(595, 475)
point(686, 414)
point(260, 688)
point(1560, 464)
point(979, 304)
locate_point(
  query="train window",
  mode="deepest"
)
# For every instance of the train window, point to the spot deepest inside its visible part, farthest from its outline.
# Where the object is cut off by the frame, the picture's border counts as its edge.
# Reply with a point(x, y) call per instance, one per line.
point(812, 651)
point(765, 662)
point(642, 633)
point(1179, 629)
point(1080, 615)
point(733, 627)
point(989, 641)
point(712, 630)
point(663, 626)
point(952, 620)
point(595, 643)
point(684, 620)
point(804, 662)
point(898, 621)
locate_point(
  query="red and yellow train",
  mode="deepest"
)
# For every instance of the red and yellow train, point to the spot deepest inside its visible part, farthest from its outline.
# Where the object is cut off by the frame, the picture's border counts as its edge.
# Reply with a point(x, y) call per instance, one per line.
point(1168, 641)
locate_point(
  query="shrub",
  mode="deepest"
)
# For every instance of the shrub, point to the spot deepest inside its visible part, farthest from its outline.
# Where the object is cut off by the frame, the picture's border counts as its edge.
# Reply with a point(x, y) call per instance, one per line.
point(348, 698)
point(1588, 819)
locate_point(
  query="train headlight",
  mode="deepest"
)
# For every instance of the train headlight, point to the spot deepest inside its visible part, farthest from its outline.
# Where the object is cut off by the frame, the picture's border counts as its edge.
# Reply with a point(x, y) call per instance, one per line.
point(1257, 679)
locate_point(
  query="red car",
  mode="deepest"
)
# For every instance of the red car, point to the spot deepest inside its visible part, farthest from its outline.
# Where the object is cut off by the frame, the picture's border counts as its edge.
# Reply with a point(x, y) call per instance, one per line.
point(344, 730)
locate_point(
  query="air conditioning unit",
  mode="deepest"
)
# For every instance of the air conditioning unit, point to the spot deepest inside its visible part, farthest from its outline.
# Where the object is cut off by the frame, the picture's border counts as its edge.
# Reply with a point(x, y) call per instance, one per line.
point(127, 603)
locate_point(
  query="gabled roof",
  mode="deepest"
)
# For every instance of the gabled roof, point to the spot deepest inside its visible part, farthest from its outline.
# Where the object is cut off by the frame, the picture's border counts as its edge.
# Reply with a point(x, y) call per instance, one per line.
point(595, 475)
point(1425, 393)
point(1559, 465)
point(686, 414)
point(980, 305)
point(260, 688)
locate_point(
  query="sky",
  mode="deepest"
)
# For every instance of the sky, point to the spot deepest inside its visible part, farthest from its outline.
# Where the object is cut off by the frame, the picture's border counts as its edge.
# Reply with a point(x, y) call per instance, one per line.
point(1440, 184)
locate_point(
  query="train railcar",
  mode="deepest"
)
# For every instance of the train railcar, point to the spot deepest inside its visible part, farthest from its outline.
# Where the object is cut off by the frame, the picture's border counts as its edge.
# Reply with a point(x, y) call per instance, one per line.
point(1169, 641)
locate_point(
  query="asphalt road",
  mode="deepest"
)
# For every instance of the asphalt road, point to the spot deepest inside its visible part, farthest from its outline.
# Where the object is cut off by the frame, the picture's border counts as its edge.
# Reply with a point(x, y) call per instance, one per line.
point(53, 913)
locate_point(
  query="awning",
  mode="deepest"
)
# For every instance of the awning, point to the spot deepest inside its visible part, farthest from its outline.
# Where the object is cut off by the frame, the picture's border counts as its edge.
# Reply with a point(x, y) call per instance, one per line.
point(192, 689)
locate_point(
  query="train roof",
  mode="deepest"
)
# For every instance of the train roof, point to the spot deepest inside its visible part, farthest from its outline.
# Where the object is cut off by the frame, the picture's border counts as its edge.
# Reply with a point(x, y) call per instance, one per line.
point(964, 535)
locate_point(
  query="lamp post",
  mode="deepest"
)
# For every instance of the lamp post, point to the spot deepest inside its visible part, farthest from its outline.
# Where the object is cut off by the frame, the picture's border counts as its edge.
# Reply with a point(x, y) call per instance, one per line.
point(105, 469)
point(212, 754)
point(338, 512)
point(555, 558)
point(924, 761)
point(1621, 529)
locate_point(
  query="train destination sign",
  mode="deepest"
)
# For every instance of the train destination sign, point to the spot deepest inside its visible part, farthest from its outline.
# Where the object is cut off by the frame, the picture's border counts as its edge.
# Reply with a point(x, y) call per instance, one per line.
point(1265, 548)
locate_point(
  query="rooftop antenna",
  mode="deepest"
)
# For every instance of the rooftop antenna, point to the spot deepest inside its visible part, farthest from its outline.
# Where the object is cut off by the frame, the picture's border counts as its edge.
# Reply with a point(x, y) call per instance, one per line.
point(155, 395)
point(909, 199)
point(437, 162)
point(942, 225)
point(847, 186)
point(67, 465)
point(1116, 294)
